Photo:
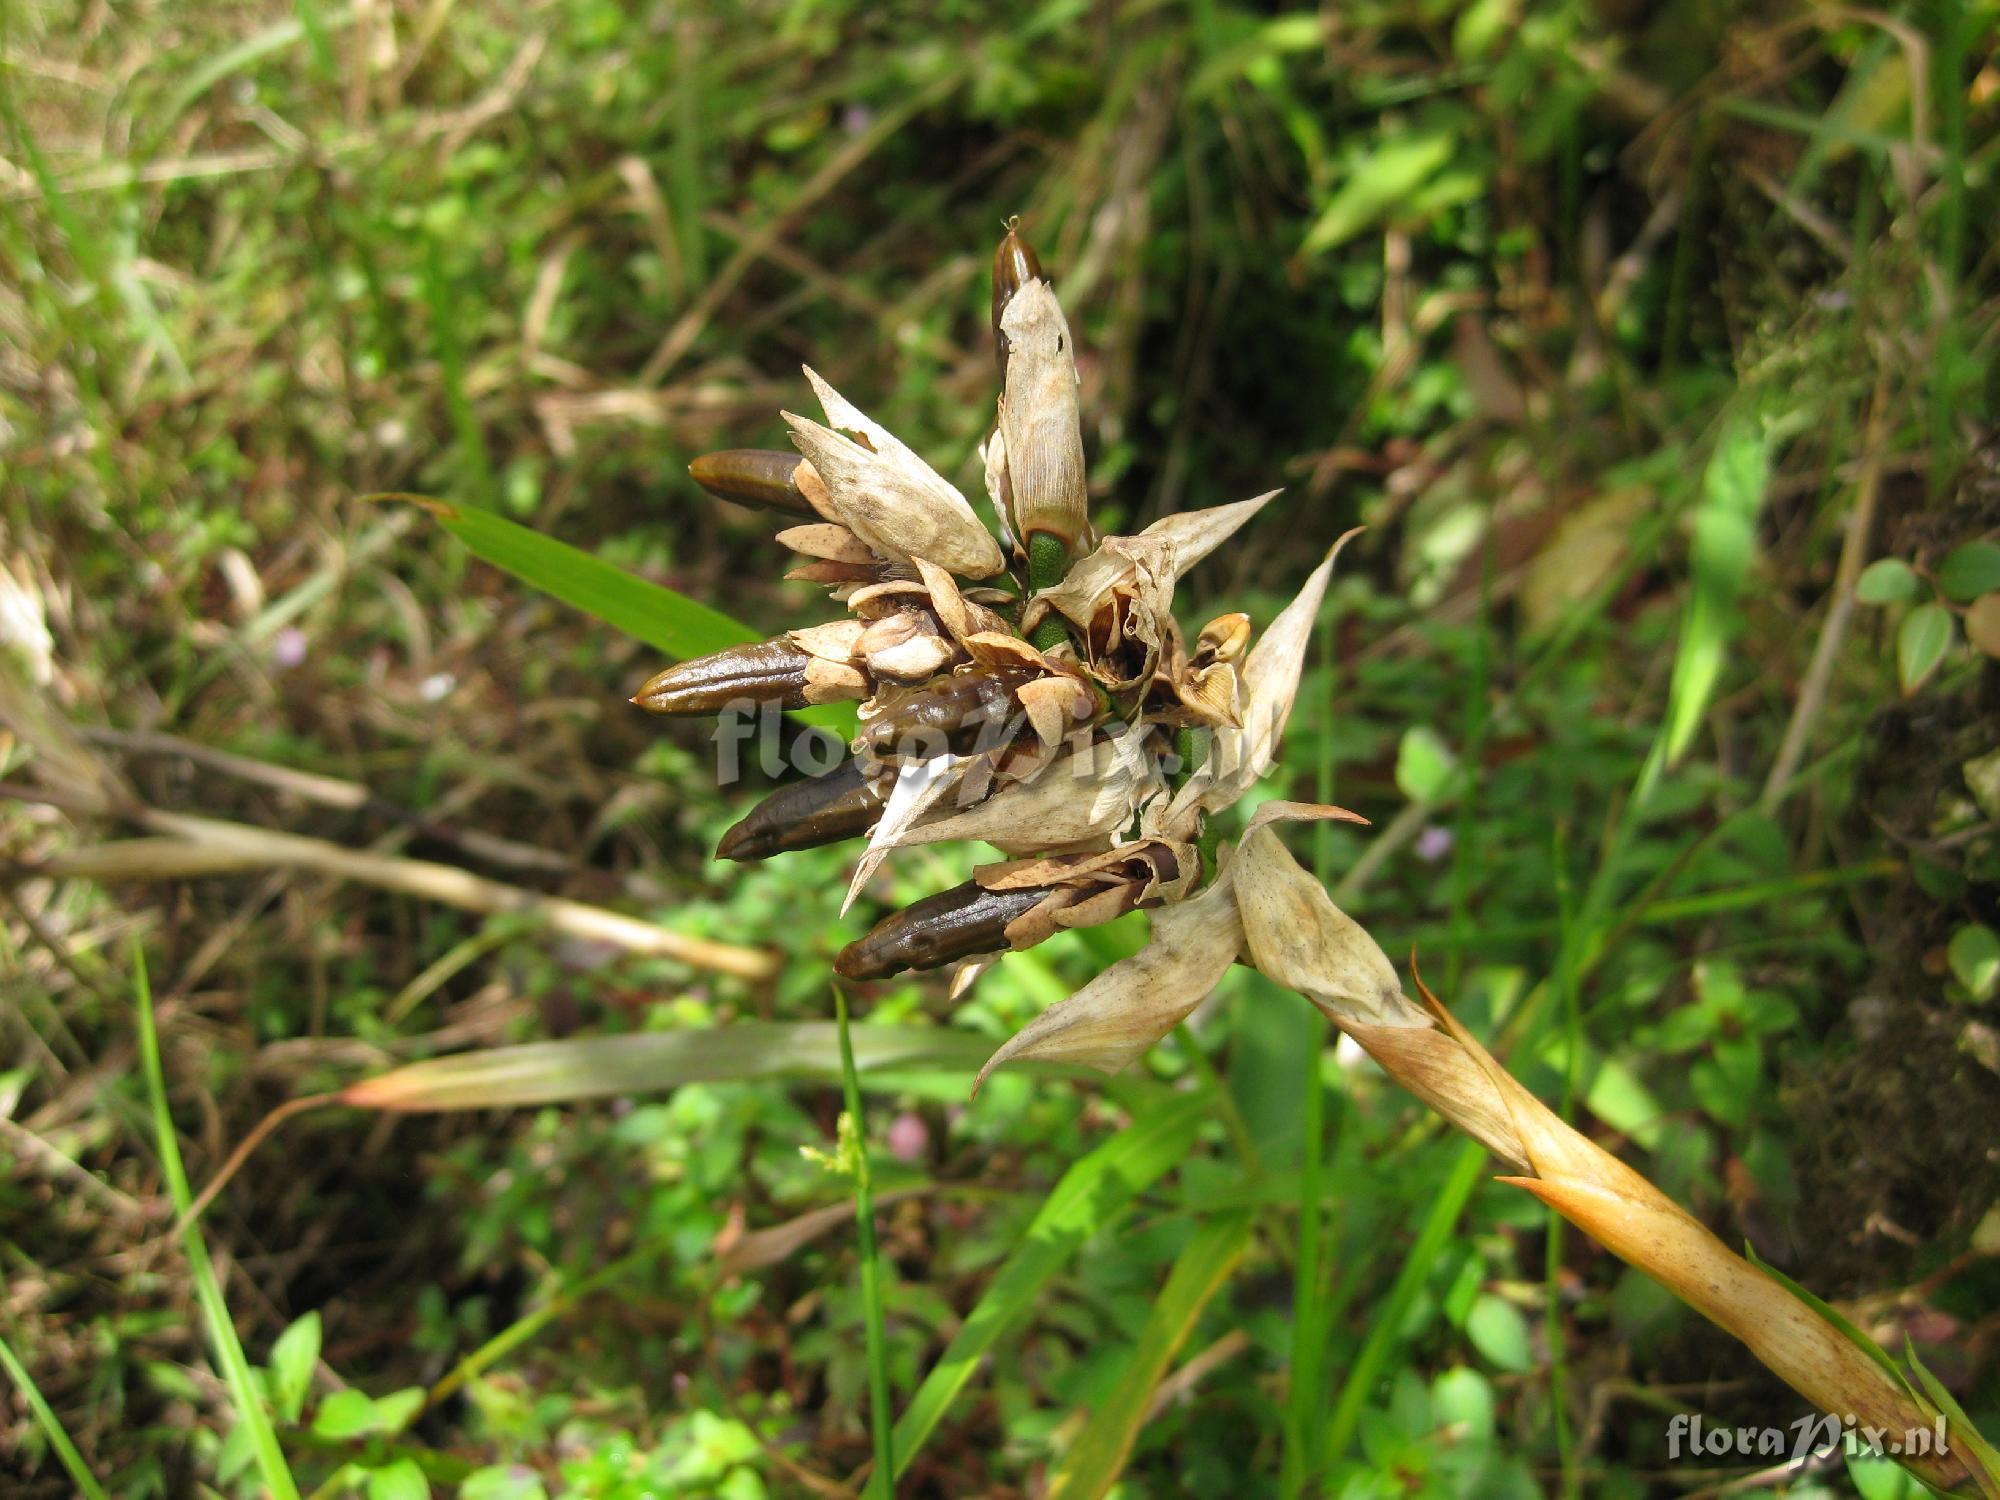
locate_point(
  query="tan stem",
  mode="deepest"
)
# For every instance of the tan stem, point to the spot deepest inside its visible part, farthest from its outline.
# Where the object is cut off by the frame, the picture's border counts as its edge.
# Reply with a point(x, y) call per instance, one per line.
point(1450, 1071)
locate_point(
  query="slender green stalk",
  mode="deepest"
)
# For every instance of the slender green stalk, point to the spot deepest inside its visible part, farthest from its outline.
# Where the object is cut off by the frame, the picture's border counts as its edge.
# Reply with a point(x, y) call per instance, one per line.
point(882, 1482)
point(1386, 1324)
point(236, 1371)
point(1308, 1284)
point(1048, 560)
point(85, 1482)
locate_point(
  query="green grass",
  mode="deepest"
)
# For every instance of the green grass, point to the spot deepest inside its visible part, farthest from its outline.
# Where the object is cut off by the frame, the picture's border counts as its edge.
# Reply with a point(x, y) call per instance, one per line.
point(248, 1400)
point(1597, 328)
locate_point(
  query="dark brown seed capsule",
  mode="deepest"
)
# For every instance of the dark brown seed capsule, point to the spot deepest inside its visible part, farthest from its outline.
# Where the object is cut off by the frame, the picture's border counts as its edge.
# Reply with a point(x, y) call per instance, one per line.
point(753, 476)
point(768, 672)
point(1015, 264)
point(965, 711)
point(954, 924)
point(840, 804)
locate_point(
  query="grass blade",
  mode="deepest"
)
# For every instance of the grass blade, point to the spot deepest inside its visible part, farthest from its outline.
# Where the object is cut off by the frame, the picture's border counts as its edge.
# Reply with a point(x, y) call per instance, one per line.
point(85, 1482)
point(669, 622)
point(882, 1482)
point(1387, 1318)
point(597, 1067)
point(215, 1312)
point(1094, 1461)
point(1724, 539)
point(1091, 1193)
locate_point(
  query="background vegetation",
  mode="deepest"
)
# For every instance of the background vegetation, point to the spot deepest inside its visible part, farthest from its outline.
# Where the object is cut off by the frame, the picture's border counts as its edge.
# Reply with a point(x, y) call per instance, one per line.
point(1633, 331)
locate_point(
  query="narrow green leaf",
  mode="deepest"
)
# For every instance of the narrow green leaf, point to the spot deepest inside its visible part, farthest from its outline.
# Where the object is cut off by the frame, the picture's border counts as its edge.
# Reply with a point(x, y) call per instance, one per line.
point(293, 1356)
point(882, 1482)
point(1376, 185)
point(52, 1429)
point(236, 1371)
point(1091, 1194)
point(1724, 541)
point(1921, 642)
point(1887, 580)
point(1096, 1458)
point(1970, 571)
point(1964, 1438)
point(669, 622)
point(1833, 1315)
point(597, 1067)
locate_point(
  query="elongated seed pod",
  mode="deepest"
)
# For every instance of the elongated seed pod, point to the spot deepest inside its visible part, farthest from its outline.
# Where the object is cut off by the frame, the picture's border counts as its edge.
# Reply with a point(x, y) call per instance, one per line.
point(753, 476)
point(969, 710)
point(840, 804)
point(953, 924)
point(1015, 264)
point(767, 672)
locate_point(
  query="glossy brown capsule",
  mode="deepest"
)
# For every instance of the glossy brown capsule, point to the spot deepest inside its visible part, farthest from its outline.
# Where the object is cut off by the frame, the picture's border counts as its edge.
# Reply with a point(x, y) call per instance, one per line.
point(1015, 264)
point(842, 803)
point(763, 477)
point(767, 672)
point(963, 712)
point(937, 930)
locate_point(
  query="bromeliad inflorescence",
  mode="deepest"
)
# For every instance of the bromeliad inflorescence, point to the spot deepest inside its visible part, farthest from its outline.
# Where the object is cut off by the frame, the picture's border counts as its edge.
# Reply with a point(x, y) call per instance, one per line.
point(1036, 693)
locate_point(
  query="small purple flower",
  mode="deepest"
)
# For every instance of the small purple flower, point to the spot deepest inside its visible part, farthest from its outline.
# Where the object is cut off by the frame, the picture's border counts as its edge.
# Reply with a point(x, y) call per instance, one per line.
point(289, 649)
point(1433, 844)
point(909, 1137)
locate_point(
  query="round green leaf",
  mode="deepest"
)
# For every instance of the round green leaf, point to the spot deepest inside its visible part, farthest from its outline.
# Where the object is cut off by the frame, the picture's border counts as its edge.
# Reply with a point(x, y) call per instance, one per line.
point(1424, 764)
point(401, 1480)
point(1921, 642)
point(1974, 956)
point(1888, 580)
point(1499, 1332)
point(1970, 571)
point(1463, 1398)
point(346, 1414)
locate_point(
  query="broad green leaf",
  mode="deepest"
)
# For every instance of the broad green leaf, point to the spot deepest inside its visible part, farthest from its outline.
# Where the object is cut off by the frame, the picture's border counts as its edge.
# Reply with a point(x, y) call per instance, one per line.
point(1098, 1455)
point(503, 1482)
point(1970, 571)
point(399, 1480)
point(1376, 186)
point(1499, 1332)
point(1921, 642)
point(669, 622)
point(1879, 1478)
point(1732, 492)
point(346, 1414)
point(1091, 1194)
point(398, 1409)
point(1974, 956)
point(1463, 1398)
point(1424, 764)
point(596, 1067)
point(1887, 580)
point(293, 1356)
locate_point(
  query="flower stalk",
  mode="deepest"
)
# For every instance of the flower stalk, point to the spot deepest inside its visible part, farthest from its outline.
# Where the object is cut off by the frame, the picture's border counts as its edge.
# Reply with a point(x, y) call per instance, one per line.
point(1068, 720)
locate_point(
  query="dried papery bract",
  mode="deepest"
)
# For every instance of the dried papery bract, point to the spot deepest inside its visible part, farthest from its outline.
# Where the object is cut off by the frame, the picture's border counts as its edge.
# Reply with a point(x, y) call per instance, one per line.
point(1043, 718)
